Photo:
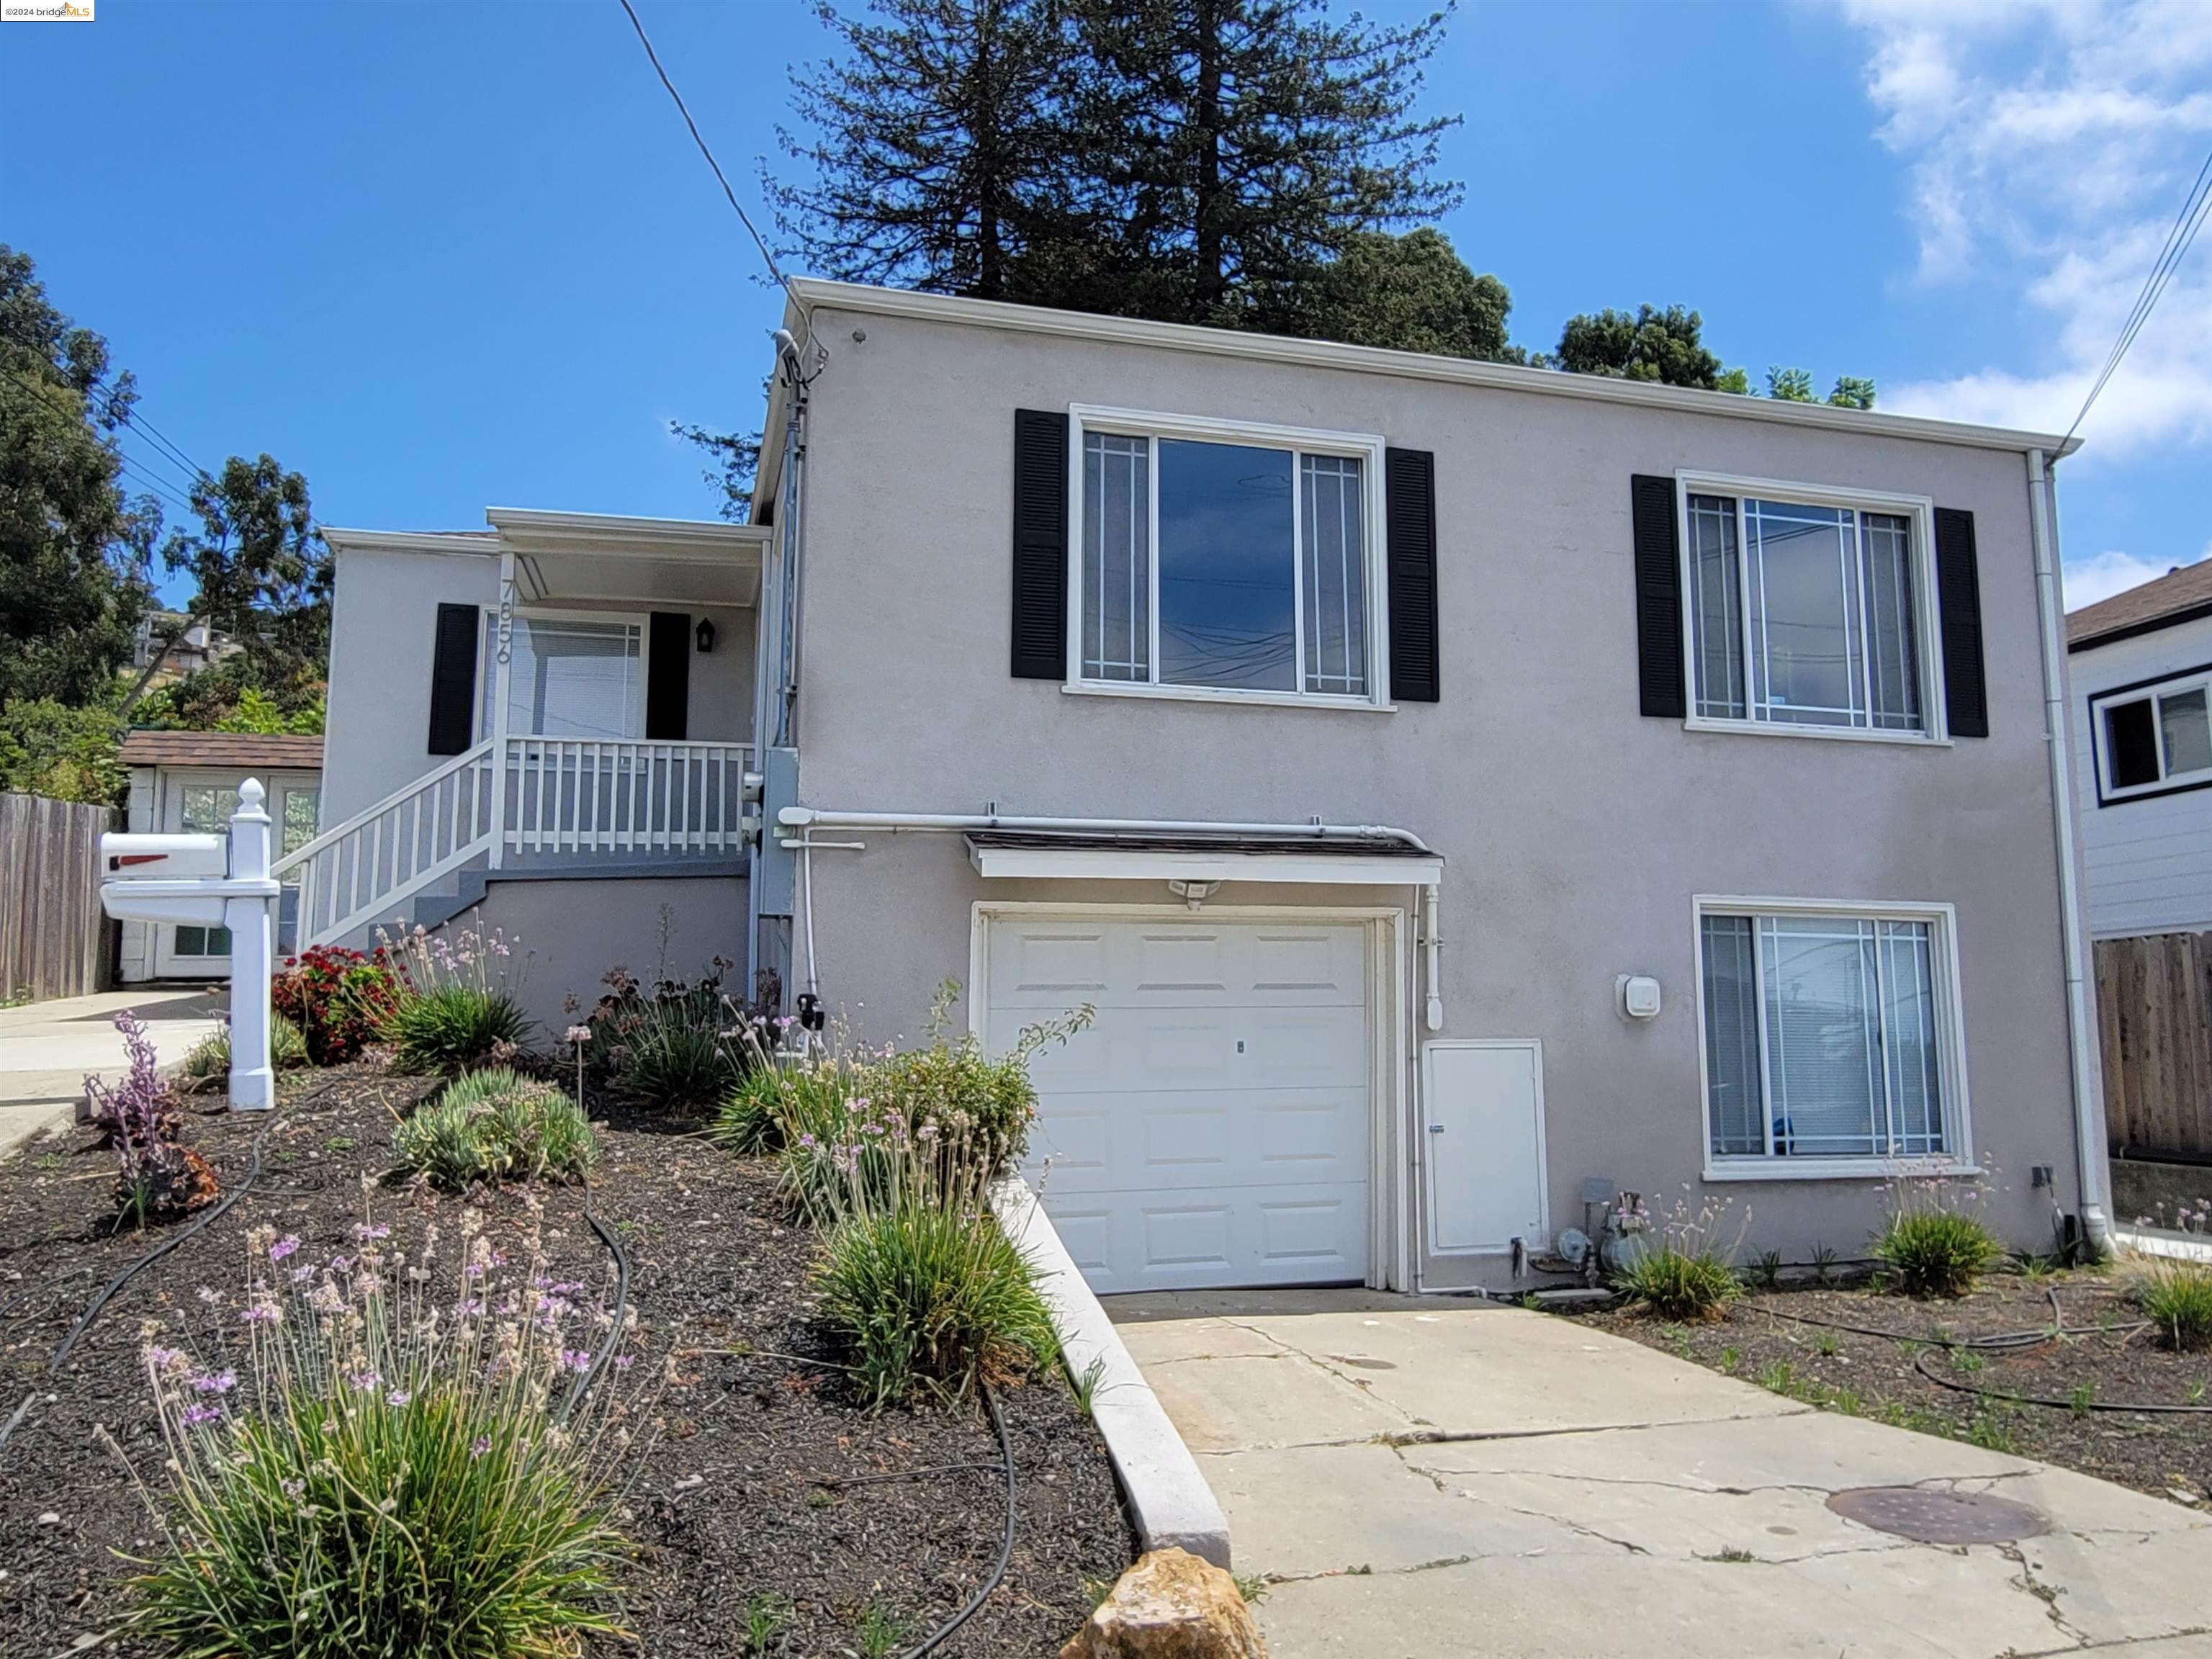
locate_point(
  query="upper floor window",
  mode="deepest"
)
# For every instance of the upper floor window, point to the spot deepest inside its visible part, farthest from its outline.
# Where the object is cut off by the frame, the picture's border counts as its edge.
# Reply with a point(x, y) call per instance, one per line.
point(1220, 559)
point(1808, 609)
point(2154, 737)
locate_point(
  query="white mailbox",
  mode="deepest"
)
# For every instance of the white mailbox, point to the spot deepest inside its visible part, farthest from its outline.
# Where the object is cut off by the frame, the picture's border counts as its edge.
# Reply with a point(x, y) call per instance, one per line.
point(212, 881)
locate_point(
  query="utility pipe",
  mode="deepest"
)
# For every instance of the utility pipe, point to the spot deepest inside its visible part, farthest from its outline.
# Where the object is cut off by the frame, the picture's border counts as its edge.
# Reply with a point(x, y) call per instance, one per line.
point(2081, 1032)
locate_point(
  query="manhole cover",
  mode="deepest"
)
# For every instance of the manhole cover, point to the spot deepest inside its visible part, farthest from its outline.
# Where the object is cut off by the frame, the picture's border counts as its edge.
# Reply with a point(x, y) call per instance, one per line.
point(1935, 1516)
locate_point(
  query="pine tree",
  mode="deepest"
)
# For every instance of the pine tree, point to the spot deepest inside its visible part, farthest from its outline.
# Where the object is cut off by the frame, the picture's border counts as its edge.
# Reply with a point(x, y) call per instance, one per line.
point(936, 145)
point(1234, 148)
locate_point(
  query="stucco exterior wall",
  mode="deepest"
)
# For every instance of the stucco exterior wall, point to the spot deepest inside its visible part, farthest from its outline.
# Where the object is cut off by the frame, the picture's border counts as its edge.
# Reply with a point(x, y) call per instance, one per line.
point(383, 636)
point(1577, 832)
point(2149, 860)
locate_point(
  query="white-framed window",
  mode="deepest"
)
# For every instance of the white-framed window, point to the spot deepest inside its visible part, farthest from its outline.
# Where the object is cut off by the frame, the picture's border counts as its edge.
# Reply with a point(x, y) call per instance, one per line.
point(1829, 1037)
point(570, 674)
point(1809, 609)
point(2153, 737)
point(1220, 559)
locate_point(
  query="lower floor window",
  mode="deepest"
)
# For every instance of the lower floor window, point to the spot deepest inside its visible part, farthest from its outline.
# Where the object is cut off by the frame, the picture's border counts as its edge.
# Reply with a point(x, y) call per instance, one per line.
point(1826, 1036)
point(203, 941)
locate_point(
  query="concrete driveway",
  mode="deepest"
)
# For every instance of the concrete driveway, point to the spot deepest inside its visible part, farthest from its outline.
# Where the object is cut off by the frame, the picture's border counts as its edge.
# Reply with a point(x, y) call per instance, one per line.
point(47, 1047)
point(1425, 1478)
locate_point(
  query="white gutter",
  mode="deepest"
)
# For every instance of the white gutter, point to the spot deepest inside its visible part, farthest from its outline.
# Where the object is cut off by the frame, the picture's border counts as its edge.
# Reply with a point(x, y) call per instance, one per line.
point(805, 819)
point(2082, 1029)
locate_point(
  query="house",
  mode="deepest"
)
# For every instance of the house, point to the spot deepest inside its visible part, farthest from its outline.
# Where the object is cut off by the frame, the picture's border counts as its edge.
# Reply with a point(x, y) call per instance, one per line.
point(186, 782)
point(1462, 793)
point(164, 637)
point(2141, 666)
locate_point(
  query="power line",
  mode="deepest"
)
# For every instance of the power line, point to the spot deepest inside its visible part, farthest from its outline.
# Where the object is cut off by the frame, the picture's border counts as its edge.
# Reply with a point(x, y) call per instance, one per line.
point(773, 269)
point(2195, 207)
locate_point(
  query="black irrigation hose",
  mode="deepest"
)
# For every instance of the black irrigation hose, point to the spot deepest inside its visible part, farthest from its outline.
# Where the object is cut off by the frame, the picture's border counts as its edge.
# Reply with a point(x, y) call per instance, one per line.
point(840, 1482)
point(1920, 1365)
point(1005, 1542)
point(85, 1319)
point(2001, 1341)
point(612, 1240)
point(260, 1139)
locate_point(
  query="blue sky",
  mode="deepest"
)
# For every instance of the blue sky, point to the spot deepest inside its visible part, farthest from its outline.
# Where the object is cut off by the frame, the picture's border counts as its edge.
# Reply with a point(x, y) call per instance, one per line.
point(442, 257)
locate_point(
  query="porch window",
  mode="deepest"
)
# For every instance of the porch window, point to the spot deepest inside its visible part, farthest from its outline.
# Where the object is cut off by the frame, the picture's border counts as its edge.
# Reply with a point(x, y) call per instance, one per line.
point(1212, 559)
point(566, 677)
point(1827, 1037)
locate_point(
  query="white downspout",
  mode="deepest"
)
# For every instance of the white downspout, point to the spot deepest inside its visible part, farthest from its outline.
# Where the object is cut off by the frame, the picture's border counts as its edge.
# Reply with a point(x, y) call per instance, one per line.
point(2082, 1029)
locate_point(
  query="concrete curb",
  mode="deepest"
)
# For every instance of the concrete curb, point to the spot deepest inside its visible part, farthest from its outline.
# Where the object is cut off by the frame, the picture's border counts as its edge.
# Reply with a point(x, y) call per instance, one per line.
point(1168, 1498)
point(2178, 1247)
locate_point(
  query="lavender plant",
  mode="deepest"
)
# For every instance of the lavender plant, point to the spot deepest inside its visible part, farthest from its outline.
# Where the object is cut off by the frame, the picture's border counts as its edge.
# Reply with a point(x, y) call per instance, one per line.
point(1683, 1267)
point(1933, 1240)
point(454, 1002)
point(157, 1177)
point(380, 1454)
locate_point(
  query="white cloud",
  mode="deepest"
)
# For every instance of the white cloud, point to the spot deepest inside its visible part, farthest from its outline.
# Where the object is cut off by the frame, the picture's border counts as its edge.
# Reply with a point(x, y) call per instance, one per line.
point(2050, 145)
point(2088, 581)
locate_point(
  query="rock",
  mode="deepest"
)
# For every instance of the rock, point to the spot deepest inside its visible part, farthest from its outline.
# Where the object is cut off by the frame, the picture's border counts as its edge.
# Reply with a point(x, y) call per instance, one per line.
point(1170, 1605)
point(50, 1519)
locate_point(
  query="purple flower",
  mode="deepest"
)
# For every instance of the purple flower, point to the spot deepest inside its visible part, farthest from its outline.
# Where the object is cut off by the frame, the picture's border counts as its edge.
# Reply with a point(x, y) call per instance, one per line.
point(624, 1361)
point(284, 1246)
point(161, 1359)
point(576, 1360)
point(216, 1382)
point(398, 1397)
point(579, 1034)
point(196, 1415)
point(262, 1313)
point(365, 1380)
point(365, 1230)
point(480, 1445)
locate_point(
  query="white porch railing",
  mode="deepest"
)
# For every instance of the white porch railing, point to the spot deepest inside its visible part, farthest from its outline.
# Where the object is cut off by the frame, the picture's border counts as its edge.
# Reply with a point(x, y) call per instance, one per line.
point(553, 797)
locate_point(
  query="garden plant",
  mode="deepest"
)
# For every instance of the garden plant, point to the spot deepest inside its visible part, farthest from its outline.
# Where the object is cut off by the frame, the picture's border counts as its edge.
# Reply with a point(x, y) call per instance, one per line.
point(338, 999)
point(1934, 1242)
point(157, 1177)
point(360, 1464)
point(1681, 1267)
point(455, 1005)
point(495, 1126)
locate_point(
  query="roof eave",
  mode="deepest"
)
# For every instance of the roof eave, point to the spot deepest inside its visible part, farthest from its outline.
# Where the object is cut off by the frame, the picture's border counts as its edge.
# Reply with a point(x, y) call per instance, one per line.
point(808, 292)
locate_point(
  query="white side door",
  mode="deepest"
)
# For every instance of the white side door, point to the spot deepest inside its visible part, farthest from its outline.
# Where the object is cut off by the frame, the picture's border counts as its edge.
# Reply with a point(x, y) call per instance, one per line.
point(1212, 1127)
point(1482, 1118)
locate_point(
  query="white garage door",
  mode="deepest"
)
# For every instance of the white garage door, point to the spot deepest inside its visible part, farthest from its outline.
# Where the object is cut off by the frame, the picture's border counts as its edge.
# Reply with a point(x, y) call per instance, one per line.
point(1211, 1128)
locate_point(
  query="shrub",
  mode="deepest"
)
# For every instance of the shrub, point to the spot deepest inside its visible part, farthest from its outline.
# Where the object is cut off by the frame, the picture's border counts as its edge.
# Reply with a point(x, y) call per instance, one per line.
point(922, 1288)
point(387, 1476)
point(2176, 1298)
point(338, 999)
point(157, 1177)
point(1678, 1266)
point(493, 1126)
point(1932, 1243)
point(210, 1058)
point(452, 1005)
point(672, 1047)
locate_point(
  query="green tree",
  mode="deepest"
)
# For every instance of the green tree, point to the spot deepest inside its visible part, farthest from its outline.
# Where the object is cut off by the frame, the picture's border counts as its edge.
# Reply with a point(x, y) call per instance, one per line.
point(1665, 346)
point(1410, 293)
point(1232, 149)
point(260, 571)
point(1852, 392)
point(73, 549)
point(934, 145)
point(734, 462)
point(48, 747)
point(1795, 386)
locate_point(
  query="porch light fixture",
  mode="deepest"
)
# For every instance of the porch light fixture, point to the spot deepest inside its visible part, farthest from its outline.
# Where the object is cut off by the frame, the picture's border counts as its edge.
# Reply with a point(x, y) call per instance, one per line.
point(705, 633)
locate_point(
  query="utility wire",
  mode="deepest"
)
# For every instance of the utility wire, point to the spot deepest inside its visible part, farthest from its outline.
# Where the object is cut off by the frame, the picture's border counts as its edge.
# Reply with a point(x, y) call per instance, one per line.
point(2195, 207)
point(773, 269)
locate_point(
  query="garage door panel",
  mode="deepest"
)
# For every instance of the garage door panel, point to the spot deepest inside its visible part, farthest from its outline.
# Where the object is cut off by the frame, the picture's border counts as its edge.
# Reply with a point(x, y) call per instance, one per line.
point(1211, 1128)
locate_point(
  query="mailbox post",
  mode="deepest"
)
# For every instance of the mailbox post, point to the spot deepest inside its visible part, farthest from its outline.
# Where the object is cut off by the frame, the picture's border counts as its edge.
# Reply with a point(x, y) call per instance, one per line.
point(213, 881)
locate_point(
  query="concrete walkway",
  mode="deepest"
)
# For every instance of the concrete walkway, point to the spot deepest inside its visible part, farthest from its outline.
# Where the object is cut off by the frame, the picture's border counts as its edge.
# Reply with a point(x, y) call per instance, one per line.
point(1426, 1479)
point(47, 1047)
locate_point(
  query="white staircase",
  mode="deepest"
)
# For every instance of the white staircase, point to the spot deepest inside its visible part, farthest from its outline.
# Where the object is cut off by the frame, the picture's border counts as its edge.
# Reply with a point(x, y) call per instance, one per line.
point(557, 799)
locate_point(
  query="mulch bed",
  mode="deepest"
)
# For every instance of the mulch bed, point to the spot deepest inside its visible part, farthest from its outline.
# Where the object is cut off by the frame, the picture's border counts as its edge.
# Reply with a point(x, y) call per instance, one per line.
point(2168, 1456)
point(738, 1496)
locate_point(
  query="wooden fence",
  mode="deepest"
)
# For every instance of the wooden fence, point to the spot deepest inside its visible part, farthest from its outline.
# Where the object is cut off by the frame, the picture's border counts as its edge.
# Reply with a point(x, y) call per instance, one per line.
point(53, 937)
point(2154, 1024)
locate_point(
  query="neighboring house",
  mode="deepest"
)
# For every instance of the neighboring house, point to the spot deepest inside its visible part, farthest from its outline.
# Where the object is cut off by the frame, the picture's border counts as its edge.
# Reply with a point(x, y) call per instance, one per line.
point(182, 782)
point(162, 635)
point(2141, 667)
point(1461, 791)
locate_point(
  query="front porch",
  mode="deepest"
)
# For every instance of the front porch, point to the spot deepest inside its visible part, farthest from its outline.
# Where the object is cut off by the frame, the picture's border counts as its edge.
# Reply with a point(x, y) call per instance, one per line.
point(599, 712)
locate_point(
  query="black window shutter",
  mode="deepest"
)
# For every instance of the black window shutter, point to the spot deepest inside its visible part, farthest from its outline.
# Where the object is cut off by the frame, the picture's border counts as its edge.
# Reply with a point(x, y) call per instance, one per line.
point(453, 679)
point(1959, 595)
point(1409, 510)
point(1658, 598)
point(1040, 627)
point(668, 676)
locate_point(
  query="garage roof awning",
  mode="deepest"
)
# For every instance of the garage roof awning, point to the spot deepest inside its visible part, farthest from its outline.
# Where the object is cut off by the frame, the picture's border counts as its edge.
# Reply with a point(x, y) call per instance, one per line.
point(1339, 861)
